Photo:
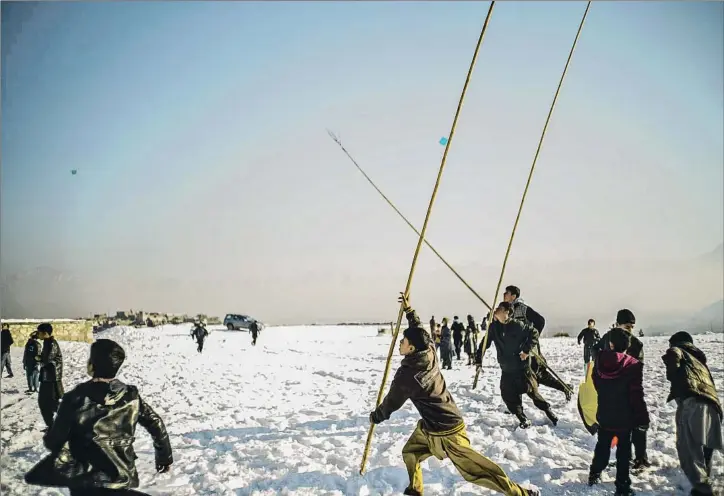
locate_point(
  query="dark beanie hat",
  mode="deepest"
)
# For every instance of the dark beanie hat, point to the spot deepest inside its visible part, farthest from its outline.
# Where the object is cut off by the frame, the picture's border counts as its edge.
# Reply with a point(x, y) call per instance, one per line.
point(681, 337)
point(625, 316)
point(46, 327)
point(418, 337)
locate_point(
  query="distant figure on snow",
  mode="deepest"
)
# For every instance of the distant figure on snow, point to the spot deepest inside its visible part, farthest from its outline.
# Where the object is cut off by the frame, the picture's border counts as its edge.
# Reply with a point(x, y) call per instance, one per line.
point(51, 374)
point(6, 341)
point(433, 325)
point(458, 329)
point(618, 378)
point(590, 337)
point(526, 314)
point(437, 335)
point(471, 340)
point(200, 333)
point(446, 345)
point(91, 441)
point(698, 412)
point(441, 431)
point(514, 340)
point(254, 329)
point(31, 361)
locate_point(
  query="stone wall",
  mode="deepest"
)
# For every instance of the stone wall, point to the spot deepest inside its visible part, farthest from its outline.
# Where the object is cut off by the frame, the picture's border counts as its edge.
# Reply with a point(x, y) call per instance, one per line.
point(63, 329)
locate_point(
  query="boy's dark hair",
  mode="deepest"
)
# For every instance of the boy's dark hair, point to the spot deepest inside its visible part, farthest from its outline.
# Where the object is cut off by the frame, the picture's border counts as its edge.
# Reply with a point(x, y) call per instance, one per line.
point(418, 337)
point(620, 339)
point(514, 290)
point(106, 357)
point(591, 321)
point(681, 337)
point(506, 306)
point(6, 326)
point(46, 327)
point(625, 316)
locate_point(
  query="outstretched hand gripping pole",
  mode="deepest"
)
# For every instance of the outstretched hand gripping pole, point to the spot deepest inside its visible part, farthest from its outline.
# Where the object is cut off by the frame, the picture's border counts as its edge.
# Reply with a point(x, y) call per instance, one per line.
point(527, 184)
point(422, 234)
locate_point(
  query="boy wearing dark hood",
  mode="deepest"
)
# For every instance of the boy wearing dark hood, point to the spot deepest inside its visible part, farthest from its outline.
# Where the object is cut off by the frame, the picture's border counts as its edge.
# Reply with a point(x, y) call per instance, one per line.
point(441, 431)
point(31, 360)
point(698, 412)
point(51, 374)
point(618, 378)
point(91, 440)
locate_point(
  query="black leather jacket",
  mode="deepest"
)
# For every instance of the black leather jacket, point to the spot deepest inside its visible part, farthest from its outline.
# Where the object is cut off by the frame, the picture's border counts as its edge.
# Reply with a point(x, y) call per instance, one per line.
point(98, 421)
point(51, 361)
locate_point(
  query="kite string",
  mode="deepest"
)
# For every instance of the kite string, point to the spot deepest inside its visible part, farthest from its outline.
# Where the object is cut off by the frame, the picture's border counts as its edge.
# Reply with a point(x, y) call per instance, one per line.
point(530, 176)
point(424, 229)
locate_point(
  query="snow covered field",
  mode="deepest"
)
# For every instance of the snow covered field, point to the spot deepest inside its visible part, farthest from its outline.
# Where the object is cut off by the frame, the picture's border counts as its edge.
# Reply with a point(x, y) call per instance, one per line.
point(290, 417)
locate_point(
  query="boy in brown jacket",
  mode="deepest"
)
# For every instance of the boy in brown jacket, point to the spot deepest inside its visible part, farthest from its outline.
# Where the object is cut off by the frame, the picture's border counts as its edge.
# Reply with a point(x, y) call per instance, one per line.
point(441, 431)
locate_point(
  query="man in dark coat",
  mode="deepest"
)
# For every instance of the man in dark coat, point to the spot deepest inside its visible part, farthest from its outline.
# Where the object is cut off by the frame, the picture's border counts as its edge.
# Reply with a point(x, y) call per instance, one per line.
point(514, 341)
point(523, 312)
point(91, 441)
point(51, 374)
point(200, 333)
point(626, 320)
point(441, 431)
point(590, 337)
point(31, 360)
point(254, 329)
point(446, 345)
point(6, 341)
point(433, 325)
point(458, 329)
point(618, 378)
point(698, 412)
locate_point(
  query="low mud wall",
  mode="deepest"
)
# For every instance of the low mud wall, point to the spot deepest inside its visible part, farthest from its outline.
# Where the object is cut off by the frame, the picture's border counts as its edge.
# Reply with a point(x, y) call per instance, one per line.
point(63, 330)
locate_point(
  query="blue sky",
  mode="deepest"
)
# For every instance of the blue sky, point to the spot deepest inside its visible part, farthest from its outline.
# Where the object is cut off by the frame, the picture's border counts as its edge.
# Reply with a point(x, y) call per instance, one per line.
point(198, 133)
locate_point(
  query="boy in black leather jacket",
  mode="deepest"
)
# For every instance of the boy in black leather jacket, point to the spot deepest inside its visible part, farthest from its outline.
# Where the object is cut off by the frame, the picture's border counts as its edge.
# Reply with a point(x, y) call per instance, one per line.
point(91, 439)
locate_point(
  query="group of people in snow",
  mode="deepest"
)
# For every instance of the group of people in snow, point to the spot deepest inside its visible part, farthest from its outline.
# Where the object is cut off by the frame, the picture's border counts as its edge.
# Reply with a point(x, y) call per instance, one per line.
point(450, 340)
point(200, 333)
point(618, 377)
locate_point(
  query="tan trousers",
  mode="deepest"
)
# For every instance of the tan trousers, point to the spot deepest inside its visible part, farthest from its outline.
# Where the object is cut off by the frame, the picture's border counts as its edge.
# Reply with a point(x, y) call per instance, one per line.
point(454, 444)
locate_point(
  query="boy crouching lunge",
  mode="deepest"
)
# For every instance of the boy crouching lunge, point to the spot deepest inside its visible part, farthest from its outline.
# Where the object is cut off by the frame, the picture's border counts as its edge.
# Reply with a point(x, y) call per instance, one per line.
point(618, 378)
point(441, 432)
point(91, 439)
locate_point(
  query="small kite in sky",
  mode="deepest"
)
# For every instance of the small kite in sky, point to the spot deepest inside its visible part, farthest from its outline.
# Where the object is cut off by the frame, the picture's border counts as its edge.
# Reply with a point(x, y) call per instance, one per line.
point(74, 171)
point(443, 141)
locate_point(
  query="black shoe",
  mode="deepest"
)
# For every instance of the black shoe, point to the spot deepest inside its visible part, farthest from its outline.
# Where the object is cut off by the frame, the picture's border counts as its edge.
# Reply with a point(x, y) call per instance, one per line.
point(411, 492)
point(10, 376)
point(569, 393)
point(640, 464)
point(524, 422)
point(594, 478)
point(552, 417)
point(624, 491)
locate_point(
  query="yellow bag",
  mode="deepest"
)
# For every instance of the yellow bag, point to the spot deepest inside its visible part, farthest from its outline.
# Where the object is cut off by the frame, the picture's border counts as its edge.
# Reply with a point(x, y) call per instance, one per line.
point(588, 401)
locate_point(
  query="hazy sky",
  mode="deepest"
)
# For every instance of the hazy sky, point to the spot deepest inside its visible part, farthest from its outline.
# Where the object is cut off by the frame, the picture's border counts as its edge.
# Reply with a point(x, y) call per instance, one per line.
point(207, 182)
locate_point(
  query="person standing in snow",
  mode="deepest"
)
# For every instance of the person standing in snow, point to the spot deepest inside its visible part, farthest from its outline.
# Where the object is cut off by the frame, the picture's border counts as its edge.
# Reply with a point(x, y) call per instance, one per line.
point(590, 337)
point(514, 341)
point(526, 314)
point(6, 341)
point(441, 431)
point(436, 336)
point(698, 410)
point(31, 359)
point(458, 329)
point(472, 331)
point(446, 345)
point(618, 378)
point(91, 441)
point(626, 320)
point(200, 333)
point(433, 325)
point(51, 374)
point(254, 329)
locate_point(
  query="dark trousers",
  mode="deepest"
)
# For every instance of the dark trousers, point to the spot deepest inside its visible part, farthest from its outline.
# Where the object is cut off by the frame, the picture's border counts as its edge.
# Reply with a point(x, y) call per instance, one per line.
point(458, 347)
point(48, 400)
point(513, 385)
point(602, 454)
point(545, 378)
point(6, 361)
point(201, 346)
point(100, 491)
point(253, 338)
point(33, 376)
point(638, 439)
point(587, 353)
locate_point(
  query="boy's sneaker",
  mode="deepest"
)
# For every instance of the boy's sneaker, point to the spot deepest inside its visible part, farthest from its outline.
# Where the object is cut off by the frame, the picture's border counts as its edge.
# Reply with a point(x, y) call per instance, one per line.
point(411, 492)
point(552, 417)
point(524, 422)
point(640, 464)
point(532, 492)
point(624, 491)
point(594, 478)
